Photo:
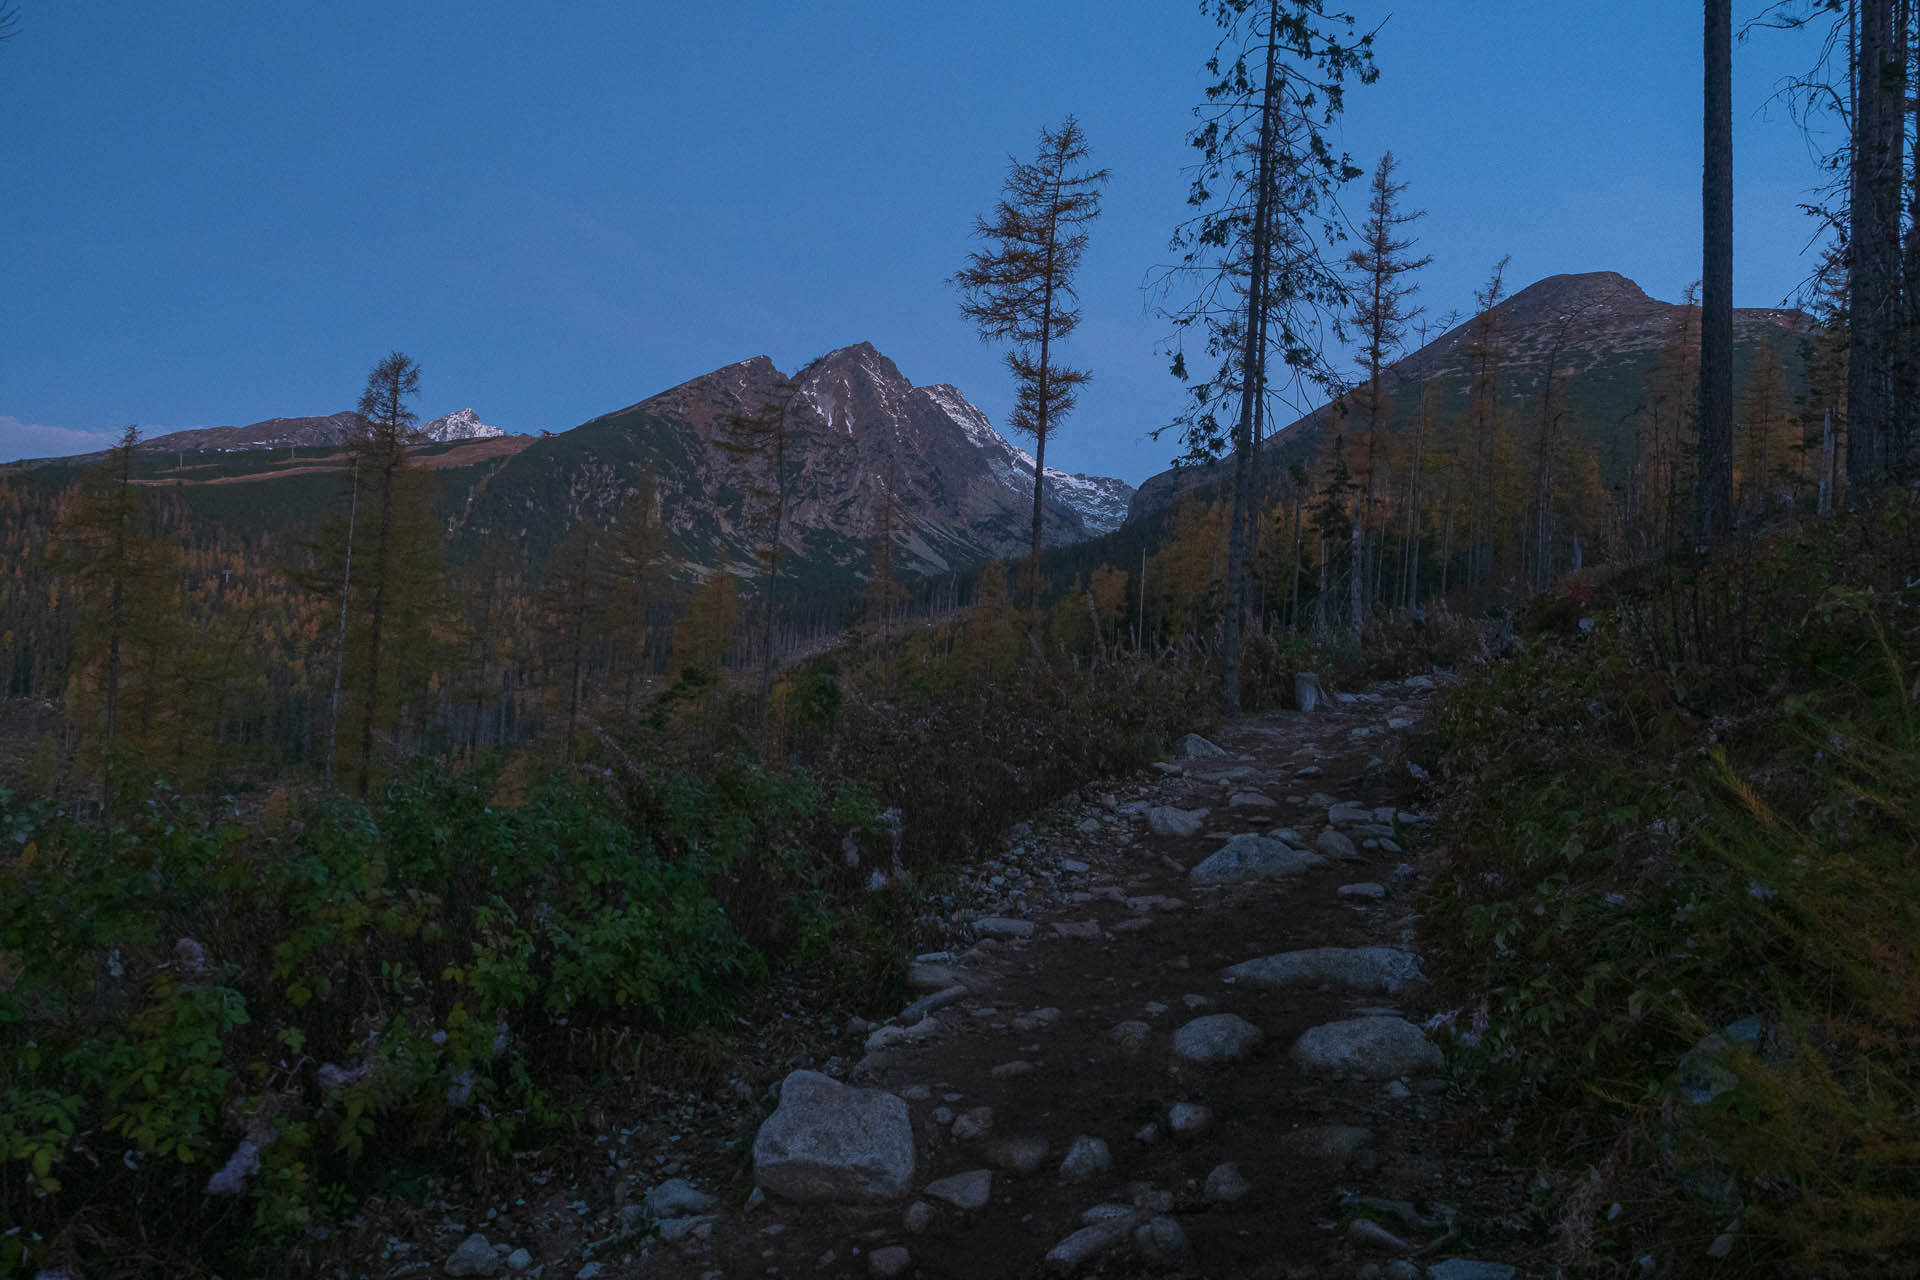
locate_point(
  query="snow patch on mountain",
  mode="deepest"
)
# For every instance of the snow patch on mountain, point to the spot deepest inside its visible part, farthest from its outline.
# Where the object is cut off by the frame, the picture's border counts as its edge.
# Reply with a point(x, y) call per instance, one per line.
point(1100, 500)
point(461, 424)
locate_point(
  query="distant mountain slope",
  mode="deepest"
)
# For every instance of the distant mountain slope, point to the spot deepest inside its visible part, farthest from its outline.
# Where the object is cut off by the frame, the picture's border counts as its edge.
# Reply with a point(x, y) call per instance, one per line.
point(274, 433)
point(1613, 335)
point(855, 425)
point(333, 429)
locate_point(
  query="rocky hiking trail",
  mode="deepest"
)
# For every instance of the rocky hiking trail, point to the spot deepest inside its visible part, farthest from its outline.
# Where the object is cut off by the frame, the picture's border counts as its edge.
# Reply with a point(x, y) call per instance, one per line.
point(1179, 1030)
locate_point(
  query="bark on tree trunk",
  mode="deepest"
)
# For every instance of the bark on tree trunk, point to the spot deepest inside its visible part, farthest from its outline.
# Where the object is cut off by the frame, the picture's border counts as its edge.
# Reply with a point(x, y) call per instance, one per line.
point(1713, 500)
point(1873, 292)
point(1249, 376)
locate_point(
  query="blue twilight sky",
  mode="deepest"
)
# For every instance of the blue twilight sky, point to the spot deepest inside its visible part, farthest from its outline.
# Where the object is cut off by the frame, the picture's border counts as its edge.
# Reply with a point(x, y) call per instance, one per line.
point(227, 210)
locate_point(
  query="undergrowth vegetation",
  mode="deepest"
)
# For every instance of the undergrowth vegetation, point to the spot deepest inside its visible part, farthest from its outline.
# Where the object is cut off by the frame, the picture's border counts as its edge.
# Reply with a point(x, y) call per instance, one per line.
point(1680, 904)
point(209, 1031)
point(220, 1031)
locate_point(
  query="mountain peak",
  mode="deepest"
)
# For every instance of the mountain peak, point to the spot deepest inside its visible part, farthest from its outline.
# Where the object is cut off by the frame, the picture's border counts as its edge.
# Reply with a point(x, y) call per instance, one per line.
point(851, 351)
point(1577, 292)
point(861, 356)
point(461, 424)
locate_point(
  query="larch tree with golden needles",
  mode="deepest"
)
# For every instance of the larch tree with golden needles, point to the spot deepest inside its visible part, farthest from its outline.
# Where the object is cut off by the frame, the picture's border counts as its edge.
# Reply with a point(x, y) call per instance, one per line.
point(1020, 290)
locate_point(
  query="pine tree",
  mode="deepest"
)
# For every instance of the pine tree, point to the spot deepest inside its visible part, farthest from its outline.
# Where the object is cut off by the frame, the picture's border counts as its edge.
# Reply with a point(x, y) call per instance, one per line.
point(1021, 290)
point(382, 563)
point(1265, 185)
point(1381, 316)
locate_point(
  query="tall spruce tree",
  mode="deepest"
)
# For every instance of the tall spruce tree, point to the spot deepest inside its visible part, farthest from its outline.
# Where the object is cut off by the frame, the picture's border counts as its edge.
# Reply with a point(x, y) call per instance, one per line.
point(1253, 260)
point(381, 459)
point(1380, 316)
point(1020, 289)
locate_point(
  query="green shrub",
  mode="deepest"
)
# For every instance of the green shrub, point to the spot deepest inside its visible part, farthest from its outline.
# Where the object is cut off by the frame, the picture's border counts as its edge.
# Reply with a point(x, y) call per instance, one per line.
point(378, 986)
point(1702, 816)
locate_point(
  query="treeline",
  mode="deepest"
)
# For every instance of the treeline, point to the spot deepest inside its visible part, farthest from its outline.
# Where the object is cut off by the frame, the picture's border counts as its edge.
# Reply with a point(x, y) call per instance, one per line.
point(1459, 490)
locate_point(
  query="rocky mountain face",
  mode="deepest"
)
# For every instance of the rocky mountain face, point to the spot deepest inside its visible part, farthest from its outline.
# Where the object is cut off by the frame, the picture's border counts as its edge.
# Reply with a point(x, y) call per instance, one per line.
point(461, 424)
point(855, 426)
point(1600, 330)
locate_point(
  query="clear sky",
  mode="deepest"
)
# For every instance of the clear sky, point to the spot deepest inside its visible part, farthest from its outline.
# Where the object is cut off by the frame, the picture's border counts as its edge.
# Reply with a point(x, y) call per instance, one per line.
point(217, 212)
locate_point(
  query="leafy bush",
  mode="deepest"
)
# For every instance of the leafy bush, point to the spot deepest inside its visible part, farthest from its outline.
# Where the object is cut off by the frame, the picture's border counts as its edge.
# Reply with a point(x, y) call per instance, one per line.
point(207, 1030)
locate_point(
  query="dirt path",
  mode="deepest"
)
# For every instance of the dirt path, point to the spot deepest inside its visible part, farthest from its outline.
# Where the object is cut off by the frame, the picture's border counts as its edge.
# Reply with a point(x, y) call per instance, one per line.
point(1047, 1086)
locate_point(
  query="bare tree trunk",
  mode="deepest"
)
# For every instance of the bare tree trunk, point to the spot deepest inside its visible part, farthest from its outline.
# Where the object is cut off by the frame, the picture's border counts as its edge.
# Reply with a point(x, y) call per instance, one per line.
point(1256, 336)
point(1713, 498)
point(1874, 245)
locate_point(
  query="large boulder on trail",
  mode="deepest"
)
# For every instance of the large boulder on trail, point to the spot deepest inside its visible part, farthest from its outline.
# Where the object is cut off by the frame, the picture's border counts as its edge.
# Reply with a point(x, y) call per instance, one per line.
point(829, 1143)
point(1246, 859)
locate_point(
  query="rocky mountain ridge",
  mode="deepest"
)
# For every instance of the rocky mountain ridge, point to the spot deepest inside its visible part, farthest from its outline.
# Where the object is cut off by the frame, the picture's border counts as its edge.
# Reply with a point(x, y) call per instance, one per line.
point(857, 429)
